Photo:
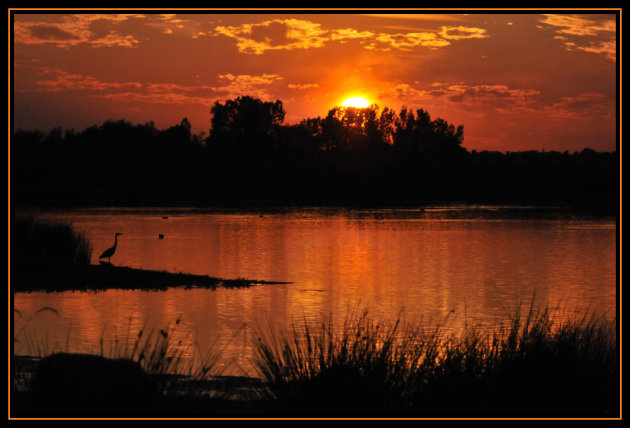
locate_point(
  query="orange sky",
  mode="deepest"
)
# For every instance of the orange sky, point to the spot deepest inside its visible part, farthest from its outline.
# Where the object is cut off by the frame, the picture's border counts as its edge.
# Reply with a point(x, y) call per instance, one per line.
point(515, 81)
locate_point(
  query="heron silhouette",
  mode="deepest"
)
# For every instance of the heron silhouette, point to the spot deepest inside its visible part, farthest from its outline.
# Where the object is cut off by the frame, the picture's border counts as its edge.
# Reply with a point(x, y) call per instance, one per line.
point(108, 253)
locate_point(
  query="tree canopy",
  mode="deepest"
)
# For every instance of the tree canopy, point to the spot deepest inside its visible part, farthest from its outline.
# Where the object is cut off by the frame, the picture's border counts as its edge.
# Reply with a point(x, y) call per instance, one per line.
point(352, 155)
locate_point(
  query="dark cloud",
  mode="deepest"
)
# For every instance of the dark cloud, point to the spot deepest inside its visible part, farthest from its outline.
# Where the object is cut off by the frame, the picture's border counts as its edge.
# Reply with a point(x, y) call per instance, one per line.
point(274, 34)
point(51, 32)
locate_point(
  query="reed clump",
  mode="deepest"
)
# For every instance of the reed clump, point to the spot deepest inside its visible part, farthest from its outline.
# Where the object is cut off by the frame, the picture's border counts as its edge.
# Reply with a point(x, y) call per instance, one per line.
point(37, 242)
point(540, 363)
point(175, 360)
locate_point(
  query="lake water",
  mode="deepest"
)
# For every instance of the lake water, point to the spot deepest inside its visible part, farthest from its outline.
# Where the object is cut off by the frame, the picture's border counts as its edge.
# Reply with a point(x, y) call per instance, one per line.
point(472, 264)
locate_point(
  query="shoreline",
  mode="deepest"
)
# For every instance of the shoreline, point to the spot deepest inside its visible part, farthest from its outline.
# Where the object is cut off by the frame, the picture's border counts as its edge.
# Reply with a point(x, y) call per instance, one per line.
point(287, 206)
point(231, 387)
point(51, 278)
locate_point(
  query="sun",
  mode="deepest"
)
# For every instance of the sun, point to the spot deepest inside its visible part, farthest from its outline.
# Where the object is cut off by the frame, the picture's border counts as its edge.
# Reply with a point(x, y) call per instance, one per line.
point(357, 102)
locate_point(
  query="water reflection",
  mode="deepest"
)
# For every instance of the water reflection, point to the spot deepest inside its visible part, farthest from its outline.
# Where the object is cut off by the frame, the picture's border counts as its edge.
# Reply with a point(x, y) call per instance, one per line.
point(476, 262)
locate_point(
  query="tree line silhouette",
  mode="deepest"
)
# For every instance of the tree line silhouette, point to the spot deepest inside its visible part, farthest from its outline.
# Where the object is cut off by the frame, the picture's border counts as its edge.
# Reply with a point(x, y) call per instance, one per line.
point(352, 156)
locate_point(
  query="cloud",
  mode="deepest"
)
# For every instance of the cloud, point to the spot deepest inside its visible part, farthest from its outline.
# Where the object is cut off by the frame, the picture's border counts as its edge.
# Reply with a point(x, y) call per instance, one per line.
point(408, 40)
point(460, 92)
point(573, 29)
point(505, 100)
point(606, 48)
point(72, 30)
point(47, 32)
point(285, 34)
point(168, 23)
point(458, 33)
point(578, 25)
point(198, 34)
point(582, 106)
point(114, 39)
point(53, 79)
point(158, 97)
point(418, 16)
point(289, 34)
point(350, 33)
point(60, 80)
point(171, 18)
point(301, 86)
point(244, 84)
point(498, 96)
point(246, 80)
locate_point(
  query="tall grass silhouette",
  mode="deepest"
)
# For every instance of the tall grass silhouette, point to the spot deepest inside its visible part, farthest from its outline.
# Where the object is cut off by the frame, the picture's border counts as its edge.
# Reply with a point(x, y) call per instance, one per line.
point(46, 242)
point(539, 363)
point(176, 360)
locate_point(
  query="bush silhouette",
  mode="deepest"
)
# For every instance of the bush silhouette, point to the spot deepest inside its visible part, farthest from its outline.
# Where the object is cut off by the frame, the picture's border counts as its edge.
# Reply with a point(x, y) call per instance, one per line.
point(83, 384)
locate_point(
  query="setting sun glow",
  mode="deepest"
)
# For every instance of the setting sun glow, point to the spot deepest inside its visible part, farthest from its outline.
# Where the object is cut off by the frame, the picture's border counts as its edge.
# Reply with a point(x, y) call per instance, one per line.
point(358, 102)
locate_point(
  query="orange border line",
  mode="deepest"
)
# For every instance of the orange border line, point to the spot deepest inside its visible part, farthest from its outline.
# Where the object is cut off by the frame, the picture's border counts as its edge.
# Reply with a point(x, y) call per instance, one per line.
point(332, 10)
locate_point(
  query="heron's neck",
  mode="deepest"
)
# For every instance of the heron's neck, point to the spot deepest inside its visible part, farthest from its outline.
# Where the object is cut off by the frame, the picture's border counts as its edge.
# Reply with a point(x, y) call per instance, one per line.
point(115, 240)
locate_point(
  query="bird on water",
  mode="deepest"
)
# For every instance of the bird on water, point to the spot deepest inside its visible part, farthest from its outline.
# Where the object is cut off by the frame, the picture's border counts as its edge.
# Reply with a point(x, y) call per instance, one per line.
point(110, 251)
